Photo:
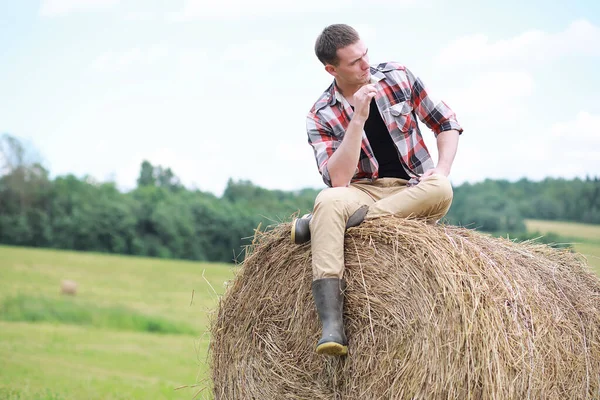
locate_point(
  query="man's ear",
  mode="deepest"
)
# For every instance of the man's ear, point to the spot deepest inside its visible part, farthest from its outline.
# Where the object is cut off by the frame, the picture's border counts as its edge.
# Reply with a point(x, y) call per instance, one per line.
point(331, 70)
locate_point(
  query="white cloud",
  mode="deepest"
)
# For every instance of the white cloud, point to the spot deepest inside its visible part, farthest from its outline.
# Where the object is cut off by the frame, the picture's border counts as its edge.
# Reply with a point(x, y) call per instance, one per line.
point(575, 145)
point(113, 61)
point(118, 61)
point(579, 38)
point(142, 16)
point(52, 8)
point(585, 129)
point(567, 149)
point(268, 51)
point(367, 32)
point(233, 9)
point(191, 60)
point(493, 92)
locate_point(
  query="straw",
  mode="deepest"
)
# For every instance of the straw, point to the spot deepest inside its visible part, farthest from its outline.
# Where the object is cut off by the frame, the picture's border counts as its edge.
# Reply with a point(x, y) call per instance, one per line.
point(431, 312)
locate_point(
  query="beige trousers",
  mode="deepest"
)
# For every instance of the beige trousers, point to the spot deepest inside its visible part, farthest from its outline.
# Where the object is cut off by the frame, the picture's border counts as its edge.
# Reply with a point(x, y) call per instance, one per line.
point(430, 200)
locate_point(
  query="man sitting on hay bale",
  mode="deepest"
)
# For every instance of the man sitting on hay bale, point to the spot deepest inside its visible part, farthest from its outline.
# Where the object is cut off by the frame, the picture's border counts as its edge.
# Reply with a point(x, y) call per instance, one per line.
point(370, 152)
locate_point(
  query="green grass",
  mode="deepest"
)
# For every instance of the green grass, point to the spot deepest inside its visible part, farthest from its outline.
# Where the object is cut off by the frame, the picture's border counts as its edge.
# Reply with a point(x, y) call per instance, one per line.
point(585, 238)
point(97, 344)
point(75, 362)
point(71, 310)
point(585, 232)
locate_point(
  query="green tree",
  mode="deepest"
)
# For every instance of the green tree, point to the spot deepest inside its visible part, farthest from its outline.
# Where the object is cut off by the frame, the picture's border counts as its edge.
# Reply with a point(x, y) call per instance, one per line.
point(151, 175)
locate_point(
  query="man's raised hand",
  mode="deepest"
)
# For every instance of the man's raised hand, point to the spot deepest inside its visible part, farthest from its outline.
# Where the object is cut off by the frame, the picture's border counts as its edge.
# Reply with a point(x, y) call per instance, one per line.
point(362, 99)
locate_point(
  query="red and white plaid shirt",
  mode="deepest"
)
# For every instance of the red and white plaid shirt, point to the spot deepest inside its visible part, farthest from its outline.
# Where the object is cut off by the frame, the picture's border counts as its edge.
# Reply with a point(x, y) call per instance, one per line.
point(400, 98)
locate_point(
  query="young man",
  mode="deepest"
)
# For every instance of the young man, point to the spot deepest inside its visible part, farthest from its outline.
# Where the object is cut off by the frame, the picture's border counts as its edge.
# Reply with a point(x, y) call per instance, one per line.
point(370, 152)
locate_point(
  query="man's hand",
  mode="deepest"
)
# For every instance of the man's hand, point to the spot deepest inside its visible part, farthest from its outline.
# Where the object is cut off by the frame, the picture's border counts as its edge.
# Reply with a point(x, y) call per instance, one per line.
point(447, 142)
point(362, 99)
point(437, 170)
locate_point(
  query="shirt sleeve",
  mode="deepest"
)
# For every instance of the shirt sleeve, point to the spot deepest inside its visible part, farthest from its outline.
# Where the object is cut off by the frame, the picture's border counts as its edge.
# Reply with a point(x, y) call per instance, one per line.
point(435, 114)
point(323, 142)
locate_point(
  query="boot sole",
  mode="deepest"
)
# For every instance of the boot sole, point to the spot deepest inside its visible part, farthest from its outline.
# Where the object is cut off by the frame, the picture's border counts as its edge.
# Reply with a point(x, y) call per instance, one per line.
point(332, 349)
point(294, 230)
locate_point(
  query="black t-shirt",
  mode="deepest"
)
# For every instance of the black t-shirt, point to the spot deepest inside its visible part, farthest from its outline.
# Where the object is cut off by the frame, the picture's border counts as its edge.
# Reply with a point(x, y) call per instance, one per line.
point(383, 146)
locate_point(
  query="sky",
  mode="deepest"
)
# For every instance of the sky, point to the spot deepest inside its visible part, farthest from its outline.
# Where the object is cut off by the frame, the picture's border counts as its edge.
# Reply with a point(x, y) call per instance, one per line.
point(221, 89)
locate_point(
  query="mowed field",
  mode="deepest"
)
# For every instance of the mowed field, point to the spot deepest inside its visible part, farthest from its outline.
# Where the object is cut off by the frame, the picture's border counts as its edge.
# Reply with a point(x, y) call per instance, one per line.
point(137, 328)
point(585, 238)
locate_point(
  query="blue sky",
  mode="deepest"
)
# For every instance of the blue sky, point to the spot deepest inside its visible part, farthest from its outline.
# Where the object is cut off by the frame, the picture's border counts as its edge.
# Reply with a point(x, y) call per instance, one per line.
point(219, 90)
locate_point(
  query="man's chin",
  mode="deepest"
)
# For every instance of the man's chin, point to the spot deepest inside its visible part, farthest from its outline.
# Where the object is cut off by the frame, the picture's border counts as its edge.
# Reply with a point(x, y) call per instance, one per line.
point(364, 80)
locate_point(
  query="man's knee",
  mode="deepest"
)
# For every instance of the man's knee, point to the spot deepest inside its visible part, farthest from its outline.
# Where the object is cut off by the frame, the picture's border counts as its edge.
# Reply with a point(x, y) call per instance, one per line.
point(331, 196)
point(440, 187)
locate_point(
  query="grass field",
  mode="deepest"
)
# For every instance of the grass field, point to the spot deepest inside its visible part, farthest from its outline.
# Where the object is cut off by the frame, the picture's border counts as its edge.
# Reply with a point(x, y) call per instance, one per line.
point(584, 237)
point(105, 342)
point(136, 328)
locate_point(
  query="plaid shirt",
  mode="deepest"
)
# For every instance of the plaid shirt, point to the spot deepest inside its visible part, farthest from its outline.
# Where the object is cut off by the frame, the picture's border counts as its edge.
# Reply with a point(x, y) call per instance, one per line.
point(400, 98)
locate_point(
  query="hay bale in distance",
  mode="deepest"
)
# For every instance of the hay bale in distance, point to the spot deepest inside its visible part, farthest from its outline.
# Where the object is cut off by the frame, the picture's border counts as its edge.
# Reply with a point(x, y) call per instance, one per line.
point(68, 287)
point(431, 312)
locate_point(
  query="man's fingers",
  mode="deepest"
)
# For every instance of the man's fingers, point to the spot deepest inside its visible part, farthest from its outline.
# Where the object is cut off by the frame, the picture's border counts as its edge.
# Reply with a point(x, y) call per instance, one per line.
point(427, 173)
point(363, 97)
point(368, 89)
point(370, 94)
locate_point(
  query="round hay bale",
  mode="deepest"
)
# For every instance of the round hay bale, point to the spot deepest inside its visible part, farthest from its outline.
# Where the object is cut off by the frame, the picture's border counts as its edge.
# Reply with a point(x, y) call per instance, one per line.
point(431, 312)
point(68, 287)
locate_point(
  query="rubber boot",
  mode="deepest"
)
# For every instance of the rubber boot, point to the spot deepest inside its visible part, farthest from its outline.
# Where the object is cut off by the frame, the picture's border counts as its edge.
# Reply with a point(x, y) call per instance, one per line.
point(301, 229)
point(301, 226)
point(329, 300)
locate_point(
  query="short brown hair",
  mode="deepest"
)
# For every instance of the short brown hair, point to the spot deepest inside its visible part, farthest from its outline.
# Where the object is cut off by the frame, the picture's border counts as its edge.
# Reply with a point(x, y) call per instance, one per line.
point(332, 38)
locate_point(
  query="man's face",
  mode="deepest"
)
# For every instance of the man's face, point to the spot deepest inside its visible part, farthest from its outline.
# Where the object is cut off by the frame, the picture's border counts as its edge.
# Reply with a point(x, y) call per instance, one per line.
point(353, 66)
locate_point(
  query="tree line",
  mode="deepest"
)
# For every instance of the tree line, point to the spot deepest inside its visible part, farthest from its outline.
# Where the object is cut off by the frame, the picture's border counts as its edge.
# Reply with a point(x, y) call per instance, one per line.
point(162, 218)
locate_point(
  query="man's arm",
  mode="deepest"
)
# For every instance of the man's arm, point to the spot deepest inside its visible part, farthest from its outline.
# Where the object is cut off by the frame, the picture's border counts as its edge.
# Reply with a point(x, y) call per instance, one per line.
point(447, 144)
point(343, 163)
point(441, 120)
point(338, 160)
